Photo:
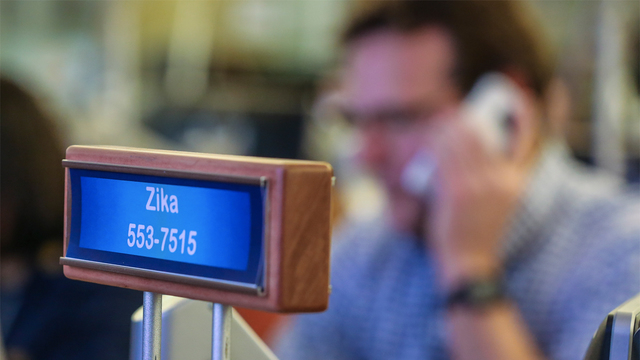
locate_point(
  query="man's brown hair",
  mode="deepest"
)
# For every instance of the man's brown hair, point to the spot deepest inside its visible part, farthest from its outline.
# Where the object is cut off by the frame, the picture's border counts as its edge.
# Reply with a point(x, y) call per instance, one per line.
point(488, 35)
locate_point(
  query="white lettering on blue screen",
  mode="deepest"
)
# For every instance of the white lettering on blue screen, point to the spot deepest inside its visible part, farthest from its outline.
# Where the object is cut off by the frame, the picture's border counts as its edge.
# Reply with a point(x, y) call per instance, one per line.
point(212, 228)
point(164, 202)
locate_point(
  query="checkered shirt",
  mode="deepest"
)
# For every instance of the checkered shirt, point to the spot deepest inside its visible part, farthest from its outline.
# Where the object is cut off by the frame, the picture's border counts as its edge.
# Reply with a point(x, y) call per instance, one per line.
point(571, 255)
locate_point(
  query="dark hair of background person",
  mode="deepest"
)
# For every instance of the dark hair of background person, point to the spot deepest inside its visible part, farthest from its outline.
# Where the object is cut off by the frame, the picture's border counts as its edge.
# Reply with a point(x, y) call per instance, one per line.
point(488, 35)
point(46, 316)
point(32, 183)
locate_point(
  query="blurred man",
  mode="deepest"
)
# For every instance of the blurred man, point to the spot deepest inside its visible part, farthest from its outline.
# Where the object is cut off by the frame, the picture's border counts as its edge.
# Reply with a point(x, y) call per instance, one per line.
point(518, 254)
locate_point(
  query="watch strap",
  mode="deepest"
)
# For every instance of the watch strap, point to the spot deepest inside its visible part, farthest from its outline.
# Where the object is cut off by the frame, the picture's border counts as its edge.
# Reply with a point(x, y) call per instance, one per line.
point(477, 293)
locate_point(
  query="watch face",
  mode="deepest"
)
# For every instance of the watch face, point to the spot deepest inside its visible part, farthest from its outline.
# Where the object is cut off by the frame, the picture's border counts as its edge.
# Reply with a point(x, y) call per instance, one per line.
point(478, 293)
point(484, 291)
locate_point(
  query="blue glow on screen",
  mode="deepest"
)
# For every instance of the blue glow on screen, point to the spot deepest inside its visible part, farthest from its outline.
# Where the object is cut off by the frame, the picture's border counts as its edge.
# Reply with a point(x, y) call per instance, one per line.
point(218, 221)
point(213, 229)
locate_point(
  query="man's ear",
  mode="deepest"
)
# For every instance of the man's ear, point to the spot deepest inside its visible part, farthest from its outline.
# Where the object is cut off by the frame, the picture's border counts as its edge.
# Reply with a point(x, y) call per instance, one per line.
point(526, 124)
point(557, 108)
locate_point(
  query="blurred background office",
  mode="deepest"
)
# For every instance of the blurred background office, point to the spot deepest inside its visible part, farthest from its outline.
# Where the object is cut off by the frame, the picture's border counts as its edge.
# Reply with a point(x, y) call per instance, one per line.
point(257, 77)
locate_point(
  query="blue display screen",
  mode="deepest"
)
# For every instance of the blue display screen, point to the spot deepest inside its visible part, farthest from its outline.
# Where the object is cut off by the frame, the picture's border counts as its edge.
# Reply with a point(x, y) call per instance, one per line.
point(192, 227)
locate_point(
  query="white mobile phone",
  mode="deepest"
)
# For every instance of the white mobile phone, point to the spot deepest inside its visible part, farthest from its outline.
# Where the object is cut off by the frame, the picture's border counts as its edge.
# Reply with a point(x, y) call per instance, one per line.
point(487, 109)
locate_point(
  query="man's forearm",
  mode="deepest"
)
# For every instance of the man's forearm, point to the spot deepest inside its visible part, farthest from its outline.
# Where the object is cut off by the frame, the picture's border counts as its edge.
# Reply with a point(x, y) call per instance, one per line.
point(495, 332)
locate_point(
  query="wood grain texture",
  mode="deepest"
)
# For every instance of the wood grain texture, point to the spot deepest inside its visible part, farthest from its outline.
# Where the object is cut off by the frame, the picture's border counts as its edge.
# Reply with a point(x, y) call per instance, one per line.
point(304, 218)
point(297, 230)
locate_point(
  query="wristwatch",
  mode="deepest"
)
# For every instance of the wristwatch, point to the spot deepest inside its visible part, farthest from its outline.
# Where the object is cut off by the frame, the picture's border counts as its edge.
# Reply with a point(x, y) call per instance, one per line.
point(478, 293)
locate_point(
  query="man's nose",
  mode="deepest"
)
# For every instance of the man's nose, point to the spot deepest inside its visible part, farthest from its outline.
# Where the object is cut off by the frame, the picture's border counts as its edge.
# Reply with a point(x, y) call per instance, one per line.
point(374, 145)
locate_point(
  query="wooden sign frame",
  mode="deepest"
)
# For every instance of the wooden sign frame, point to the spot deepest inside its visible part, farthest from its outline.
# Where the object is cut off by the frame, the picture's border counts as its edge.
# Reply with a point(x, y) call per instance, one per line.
point(297, 224)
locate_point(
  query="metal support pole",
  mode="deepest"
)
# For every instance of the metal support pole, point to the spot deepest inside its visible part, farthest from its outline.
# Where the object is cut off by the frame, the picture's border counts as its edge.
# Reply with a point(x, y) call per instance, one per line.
point(221, 332)
point(151, 325)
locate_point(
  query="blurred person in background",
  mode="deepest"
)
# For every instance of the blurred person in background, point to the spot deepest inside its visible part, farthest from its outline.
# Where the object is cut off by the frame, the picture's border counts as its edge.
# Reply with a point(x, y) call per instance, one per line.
point(517, 254)
point(43, 314)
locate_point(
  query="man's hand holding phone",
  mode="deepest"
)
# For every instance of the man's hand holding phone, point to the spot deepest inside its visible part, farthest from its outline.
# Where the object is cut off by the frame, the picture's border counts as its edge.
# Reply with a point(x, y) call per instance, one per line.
point(471, 175)
point(474, 193)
